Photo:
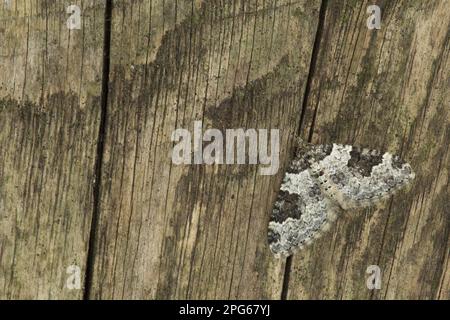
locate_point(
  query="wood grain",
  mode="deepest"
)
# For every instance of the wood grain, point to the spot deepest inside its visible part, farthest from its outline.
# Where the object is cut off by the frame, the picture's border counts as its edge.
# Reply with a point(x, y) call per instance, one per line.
point(49, 111)
point(198, 231)
point(385, 89)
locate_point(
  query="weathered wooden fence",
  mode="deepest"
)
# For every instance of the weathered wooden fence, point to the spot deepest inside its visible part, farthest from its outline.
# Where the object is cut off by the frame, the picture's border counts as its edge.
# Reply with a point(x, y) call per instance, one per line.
point(86, 116)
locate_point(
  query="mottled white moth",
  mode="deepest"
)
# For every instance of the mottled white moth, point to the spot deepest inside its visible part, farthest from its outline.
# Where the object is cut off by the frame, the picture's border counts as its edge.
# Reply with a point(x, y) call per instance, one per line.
point(323, 180)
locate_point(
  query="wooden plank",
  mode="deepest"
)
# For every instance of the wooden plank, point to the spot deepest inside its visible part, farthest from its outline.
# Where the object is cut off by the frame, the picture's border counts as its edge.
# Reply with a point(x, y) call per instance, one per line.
point(198, 231)
point(50, 85)
point(385, 89)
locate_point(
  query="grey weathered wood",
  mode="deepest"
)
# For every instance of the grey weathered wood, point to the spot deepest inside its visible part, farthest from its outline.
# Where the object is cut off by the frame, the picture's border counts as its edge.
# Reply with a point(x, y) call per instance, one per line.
point(385, 89)
point(167, 231)
point(197, 231)
point(50, 82)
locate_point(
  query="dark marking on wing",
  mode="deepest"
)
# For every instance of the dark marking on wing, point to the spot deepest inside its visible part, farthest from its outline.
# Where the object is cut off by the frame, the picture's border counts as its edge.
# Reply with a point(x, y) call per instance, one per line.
point(273, 236)
point(364, 160)
point(306, 154)
point(286, 206)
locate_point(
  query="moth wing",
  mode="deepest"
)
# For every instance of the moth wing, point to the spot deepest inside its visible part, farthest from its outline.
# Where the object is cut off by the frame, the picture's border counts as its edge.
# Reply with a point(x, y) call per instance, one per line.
point(356, 177)
point(301, 212)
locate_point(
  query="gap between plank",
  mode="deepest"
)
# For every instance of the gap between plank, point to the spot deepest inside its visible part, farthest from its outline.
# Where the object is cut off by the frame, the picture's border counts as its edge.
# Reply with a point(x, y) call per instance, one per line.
point(100, 149)
point(311, 72)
